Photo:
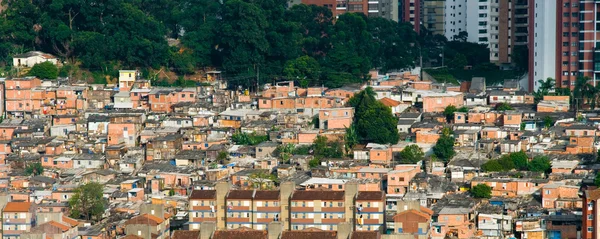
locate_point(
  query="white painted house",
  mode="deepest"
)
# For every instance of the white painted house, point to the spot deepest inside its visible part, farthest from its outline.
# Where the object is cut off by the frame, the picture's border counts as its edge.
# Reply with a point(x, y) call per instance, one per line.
point(33, 57)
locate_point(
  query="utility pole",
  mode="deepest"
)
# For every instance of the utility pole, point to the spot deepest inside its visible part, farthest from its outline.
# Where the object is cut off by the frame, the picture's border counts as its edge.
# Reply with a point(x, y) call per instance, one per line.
point(257, 79)
point(420, 63)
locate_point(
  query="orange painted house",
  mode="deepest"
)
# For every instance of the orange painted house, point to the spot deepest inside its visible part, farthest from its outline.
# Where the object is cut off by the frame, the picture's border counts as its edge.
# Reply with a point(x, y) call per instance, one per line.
point(558, 196)
point(337, 118)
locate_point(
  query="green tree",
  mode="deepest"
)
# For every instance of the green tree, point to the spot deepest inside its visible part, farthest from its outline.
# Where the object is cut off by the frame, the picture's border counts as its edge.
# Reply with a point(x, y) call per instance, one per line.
point(545, 87)
point(222, 156)
point(182, 61)
point(44, 70)
point(262, 180)
point(481, 191)
point(444, 148)
point(302, 150)
point(548, 121)
point(503, 107)
point(458, 62)
point(492, 166)
point(579, 91)
point(325, 149)
point(34, 169)
point(520, 160)
point(314, 162)
point(411, 154)
point(507, 163)
point(597, 180)
point(88, 202)
point(540, 164)
point(242, 37)
point(305, 69)
point(350, 138)
point(449, 112)
point(374, 121)
point(248, 139)
point(285, 152)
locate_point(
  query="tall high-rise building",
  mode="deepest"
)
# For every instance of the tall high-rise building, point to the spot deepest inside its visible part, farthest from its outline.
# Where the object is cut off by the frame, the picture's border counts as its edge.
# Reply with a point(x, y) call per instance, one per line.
point(520, 22)
point(433, 16)
point(412, 11)
point(373, 8)
point(455, 16)
point(564, 35)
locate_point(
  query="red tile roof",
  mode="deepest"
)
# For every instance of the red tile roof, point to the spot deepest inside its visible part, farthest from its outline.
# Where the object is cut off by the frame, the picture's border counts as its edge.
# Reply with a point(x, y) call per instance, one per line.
point(203, 194)
point(132, 237)
point(310, 233)
point(365, 235)
point(181, 234)
point(240, 194)
point(370, 196)
point(145, 219)
point(318, 195)
point(17, 207)
point(241, 233)
point(62, 227)
point(70, 221)
point(266, 195)
point(423, 215)
point(389, 102)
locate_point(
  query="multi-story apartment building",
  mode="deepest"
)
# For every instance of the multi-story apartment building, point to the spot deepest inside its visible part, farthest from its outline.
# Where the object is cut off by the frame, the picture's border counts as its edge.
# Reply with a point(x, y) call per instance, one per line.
point(239, 208)
point(590, 226)
point(18, 95)
point(434, 16)
point(17, 218)
point(370, 210)
point(378, 8)
point(412, 12)
point(564, 37)
point(542, 35)
point(520, 26)
point(202, 208)
point(296, 209)
point(489, 22)
point(323, 210)
point(455, 16)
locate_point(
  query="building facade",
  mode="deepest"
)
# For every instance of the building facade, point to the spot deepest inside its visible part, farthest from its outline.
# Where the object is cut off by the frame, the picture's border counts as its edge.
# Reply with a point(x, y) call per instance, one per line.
point(412, 12)
point(295, 209)
point(564, 37)
point(378, 8)
point(434, 16)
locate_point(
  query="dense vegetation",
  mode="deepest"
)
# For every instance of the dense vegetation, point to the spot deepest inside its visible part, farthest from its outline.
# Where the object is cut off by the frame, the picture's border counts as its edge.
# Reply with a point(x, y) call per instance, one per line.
point(519, 161)
point(444, 147)
point(374, 121)
point(481, 191)
point(411, 154)
point(242, 37)
point(242, 138)
point(88, 202)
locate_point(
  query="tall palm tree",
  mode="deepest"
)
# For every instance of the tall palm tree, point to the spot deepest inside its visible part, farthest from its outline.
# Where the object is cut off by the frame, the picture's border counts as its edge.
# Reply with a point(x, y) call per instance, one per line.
point(579, 91)
point(544, 89)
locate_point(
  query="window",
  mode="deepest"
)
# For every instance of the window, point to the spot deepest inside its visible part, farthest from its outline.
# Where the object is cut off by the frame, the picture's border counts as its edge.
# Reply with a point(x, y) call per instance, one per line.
point(590, 229)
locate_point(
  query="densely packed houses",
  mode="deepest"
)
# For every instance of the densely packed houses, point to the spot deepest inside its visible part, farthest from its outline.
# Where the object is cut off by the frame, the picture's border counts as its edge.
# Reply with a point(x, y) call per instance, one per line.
point(212, 162)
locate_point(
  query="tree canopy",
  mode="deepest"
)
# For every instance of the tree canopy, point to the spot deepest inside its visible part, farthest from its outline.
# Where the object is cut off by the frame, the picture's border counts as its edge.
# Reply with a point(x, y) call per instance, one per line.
point(444, 147)
point(34, 169)
point(411, 154)
point(88, 202)
point(373, 120)
point(242, 37)
point(44, 70)
point(481, 191)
